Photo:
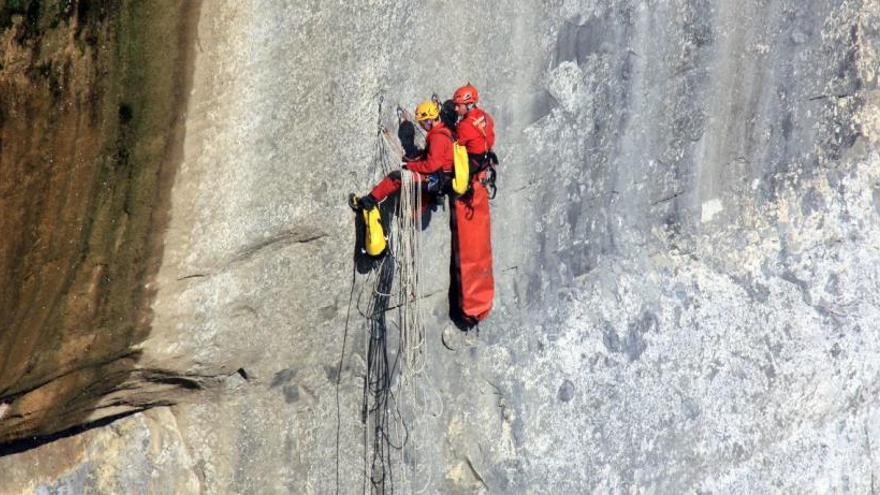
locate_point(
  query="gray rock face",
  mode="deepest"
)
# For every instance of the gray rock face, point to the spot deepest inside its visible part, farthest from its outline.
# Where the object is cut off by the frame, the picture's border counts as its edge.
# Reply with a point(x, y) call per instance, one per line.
point(685, 246)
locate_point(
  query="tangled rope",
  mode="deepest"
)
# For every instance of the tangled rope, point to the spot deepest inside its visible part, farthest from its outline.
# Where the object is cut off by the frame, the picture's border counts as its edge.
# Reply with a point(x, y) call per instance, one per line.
point(395, 360)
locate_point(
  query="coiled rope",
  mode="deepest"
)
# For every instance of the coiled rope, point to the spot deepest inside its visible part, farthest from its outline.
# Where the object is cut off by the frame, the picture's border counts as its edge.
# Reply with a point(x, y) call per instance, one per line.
point(396, 382)
point(409, 258)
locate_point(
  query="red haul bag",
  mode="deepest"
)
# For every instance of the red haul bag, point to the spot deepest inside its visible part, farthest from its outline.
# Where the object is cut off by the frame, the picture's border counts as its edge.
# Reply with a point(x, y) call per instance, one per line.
point(472, 252)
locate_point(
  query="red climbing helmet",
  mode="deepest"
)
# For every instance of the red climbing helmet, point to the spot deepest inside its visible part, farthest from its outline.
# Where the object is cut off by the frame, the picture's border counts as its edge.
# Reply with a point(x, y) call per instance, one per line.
point(466, 95)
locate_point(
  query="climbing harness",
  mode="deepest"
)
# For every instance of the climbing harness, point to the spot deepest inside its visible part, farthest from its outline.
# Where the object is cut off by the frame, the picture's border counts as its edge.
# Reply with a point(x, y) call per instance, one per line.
point(487, 162)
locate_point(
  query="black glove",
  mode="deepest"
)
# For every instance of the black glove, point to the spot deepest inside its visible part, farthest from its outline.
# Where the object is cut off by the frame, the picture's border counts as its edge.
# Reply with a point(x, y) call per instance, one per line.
point(407, 135)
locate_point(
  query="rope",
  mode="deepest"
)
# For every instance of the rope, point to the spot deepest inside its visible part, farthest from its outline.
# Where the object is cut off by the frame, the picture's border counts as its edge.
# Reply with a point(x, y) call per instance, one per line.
point(409, 314)
point(396, 352)
point(339, 372)
point(384, 429)
point(409, 246)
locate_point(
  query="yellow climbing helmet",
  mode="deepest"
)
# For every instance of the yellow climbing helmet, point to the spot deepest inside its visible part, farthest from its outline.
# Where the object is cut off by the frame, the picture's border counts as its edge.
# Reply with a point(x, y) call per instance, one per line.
point(427, 110)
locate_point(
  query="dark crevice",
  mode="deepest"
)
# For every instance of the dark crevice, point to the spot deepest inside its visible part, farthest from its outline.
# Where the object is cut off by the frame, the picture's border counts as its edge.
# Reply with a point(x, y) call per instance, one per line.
point(133, 355)
point(25, 444)
point(283, 238)
point(836, 95)
point(177, 380)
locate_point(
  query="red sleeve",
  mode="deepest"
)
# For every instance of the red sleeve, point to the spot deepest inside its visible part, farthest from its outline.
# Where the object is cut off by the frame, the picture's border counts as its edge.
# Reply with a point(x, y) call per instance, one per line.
point(439, 155)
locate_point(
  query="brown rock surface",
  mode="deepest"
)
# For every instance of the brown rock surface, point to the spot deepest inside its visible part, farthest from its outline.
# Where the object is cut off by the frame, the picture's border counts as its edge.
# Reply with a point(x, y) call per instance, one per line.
point(90, 93)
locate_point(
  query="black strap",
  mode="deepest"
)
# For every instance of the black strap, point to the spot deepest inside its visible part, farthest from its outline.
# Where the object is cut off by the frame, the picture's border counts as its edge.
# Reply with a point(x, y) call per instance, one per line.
point(486, 161)
point(489, 182)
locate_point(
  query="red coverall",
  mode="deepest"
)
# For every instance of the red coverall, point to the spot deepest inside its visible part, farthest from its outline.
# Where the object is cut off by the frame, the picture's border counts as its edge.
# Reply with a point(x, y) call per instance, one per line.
point(476, 132)
point(471, 223)
point(438, 147)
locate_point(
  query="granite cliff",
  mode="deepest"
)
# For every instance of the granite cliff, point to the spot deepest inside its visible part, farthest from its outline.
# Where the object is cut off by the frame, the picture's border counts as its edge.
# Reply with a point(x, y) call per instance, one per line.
point(685, 243)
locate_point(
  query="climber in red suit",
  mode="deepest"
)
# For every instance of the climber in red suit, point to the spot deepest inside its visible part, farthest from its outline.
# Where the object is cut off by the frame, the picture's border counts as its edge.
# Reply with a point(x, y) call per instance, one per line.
point(476, 129)
point(472, 282)
point(437, 157)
